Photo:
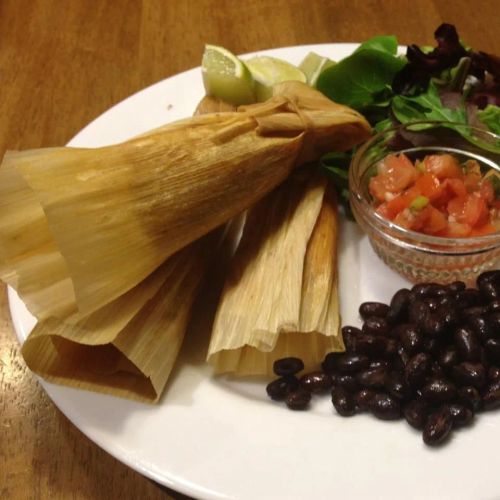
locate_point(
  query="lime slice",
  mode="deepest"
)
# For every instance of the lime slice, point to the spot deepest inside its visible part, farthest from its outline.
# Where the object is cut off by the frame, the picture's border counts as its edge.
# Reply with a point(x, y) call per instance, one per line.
point(312, 65)
point(268, 71)
point(226, 77)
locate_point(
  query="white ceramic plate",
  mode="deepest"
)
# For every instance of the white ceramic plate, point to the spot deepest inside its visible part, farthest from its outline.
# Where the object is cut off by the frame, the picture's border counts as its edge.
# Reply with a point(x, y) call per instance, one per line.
point(216, 438)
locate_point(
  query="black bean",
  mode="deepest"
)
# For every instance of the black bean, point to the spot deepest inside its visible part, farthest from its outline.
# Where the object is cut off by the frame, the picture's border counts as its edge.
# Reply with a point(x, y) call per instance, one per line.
point(417, 369)
point(480, 326)
point(448, 357)
point(433, 346)
point(461, 414)
point(436, 370)
point(449, 315)
point(490, 291)
point(375, 326)
point(372, 378)
point(385, 407)
point(493, 373)
point(439, 390)
point(398, 308)
point(418, 312)
point(378, 309)
point(468, 345)
point(415, 413)
point(424, 290)
point(471, 312)
point(434, 325)
point(468, 298)
point(279, 388)
point(347, 382)
point(456, 286)
point(298, 400)
point(432, 303)
point(344, 362)
point(438, 426)
point(494, 306)
point(494, 323)
point(492, 347)
point(470, 397)
point(287, 366)
point(400, 359)
point(370, 345)
point(411, 338)
point(350, 334)
point(363, 399)
point(491, 396)
point(343, 402)
point(316, 382)
point(468, 373)
point(397, 387)
point(380, 363)
point(391, 348)
point(488, 277)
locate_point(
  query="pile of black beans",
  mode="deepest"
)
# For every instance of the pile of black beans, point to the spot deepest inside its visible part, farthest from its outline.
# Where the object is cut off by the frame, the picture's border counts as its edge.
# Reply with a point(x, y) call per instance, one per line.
point(431, 356)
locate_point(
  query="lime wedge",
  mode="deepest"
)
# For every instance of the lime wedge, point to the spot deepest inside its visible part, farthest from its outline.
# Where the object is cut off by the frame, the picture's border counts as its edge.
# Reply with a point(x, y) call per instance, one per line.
point(226, 77)
point(268, 71)
point(312, 65)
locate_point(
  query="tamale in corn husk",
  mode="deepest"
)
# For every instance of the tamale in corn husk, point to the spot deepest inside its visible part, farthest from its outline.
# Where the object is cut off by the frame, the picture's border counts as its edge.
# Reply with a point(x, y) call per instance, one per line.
point(115, 214)
point(128, 347)
point(280, 298)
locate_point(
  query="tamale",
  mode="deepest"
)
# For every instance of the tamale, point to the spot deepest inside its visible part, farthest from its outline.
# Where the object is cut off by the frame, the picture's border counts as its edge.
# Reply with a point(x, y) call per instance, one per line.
point(116, 213)
point(128, 347)
point(280, 296)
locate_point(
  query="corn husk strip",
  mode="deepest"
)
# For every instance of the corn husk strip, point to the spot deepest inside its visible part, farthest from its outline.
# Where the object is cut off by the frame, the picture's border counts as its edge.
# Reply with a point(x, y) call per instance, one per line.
point(132, 205)
point(30, 261)
point(287, 251)
point(127, 348)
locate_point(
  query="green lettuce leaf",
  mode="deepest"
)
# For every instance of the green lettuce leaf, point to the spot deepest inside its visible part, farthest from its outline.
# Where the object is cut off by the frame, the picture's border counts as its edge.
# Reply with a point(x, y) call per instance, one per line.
point(361, 80)
point(490, 116)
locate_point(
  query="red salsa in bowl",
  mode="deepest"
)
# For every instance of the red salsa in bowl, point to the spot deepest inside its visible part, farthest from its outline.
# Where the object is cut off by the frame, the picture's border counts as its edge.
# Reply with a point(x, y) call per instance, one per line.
point(437, 195)
point(427, 197)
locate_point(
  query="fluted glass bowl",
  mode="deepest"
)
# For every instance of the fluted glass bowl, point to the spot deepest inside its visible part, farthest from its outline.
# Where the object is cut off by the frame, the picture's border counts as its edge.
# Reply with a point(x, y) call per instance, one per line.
point(420, 257)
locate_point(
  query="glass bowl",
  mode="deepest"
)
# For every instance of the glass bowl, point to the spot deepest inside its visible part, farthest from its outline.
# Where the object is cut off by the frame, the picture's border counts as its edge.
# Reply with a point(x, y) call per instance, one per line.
point(421, 257)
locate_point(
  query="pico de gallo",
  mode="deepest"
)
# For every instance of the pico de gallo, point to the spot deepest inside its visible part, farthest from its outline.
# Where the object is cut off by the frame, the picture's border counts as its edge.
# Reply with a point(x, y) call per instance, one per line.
point(437, 195)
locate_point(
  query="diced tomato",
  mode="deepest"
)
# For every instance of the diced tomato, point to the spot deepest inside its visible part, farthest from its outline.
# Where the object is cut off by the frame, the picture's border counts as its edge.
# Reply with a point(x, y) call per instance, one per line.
point(456, 186)
point(486, 191)
point(405, 219)
point(402, 201)
point(470, 209)
point(487, 228)
point(456, 208)
point(429, 186)
point(377, 188)
point(435, 220)
point(443, 166)
point(396, 172)
point(456, 230)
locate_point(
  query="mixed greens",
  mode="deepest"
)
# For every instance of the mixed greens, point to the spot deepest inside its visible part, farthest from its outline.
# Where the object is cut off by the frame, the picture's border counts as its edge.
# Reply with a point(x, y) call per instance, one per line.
point(450, 83)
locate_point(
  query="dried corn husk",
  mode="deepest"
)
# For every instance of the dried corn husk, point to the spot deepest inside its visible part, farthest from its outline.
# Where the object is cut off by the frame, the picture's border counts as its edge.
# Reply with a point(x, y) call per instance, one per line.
point(130, 206)
point(128, 347)
point(280, 297)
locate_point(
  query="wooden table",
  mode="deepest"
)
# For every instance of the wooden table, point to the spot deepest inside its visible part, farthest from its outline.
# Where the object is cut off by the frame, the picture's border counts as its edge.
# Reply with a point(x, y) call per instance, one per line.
point(64, 62)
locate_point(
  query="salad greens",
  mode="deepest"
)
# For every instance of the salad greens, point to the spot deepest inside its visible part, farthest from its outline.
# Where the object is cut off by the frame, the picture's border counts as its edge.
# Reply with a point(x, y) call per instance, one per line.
point(449, 83)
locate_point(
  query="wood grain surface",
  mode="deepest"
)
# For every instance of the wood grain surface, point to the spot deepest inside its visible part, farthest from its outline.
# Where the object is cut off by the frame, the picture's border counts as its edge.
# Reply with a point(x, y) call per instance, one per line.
point(64, 62)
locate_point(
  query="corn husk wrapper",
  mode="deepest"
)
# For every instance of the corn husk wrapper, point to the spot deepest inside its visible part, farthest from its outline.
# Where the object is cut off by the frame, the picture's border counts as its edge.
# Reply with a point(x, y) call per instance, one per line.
point(128, 347)
point(113, 215)
point(280, 298)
